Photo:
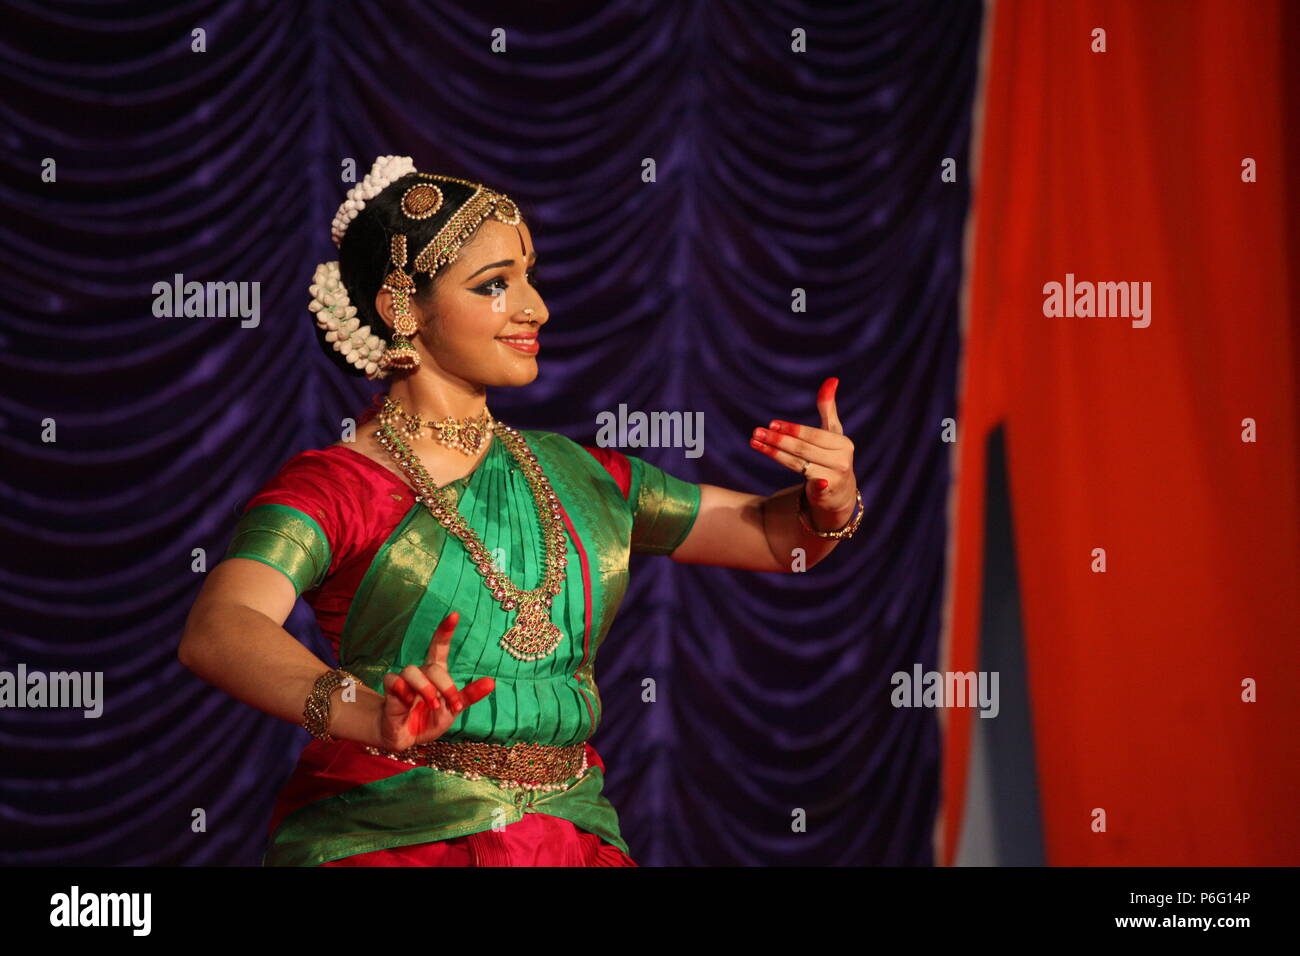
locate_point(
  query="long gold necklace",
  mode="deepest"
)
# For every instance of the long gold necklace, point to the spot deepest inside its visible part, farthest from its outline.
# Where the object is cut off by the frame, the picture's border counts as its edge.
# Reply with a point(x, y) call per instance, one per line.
point(533, 635)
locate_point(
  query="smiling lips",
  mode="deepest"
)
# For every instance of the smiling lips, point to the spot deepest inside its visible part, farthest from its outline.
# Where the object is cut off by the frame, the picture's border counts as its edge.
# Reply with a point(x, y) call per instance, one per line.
point(527, 344)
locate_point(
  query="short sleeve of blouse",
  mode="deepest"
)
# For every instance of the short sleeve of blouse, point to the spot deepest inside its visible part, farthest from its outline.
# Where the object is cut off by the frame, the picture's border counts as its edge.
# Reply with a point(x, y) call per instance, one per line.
point(293, 523)
point(663, 506)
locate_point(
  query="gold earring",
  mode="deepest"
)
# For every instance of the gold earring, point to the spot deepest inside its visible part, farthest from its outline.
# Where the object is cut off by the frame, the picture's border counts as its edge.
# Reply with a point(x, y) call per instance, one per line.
point(400, 353)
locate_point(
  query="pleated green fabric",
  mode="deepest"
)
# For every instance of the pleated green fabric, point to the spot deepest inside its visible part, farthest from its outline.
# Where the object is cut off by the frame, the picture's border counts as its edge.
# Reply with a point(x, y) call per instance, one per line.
point(410, 588)
point(421, 573)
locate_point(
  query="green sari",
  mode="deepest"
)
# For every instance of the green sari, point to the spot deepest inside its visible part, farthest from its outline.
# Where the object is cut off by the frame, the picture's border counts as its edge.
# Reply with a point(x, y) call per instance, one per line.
point(342, 801)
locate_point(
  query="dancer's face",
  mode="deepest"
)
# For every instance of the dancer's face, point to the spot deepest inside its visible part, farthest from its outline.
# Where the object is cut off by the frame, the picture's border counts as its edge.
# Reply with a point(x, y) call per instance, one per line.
point(478, 302)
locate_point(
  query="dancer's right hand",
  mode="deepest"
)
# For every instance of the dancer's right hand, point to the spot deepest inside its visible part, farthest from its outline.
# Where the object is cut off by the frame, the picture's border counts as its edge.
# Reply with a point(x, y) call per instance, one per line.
point(420, 703)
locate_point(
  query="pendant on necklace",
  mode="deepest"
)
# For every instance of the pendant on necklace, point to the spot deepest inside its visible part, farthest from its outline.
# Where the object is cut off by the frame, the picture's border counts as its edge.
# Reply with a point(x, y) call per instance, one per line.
point(533, 635)
point(464, 437)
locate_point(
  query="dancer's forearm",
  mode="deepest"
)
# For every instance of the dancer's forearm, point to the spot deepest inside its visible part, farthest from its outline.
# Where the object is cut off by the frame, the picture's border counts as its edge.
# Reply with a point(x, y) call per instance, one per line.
point(246, 654)
point(738, 530)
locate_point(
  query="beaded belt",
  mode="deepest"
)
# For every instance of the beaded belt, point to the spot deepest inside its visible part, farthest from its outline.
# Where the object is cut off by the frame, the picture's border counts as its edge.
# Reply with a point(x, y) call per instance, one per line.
point(523, 765)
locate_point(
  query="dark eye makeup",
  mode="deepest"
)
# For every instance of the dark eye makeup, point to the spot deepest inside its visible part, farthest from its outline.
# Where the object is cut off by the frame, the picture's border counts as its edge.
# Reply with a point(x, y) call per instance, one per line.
point(489, 287)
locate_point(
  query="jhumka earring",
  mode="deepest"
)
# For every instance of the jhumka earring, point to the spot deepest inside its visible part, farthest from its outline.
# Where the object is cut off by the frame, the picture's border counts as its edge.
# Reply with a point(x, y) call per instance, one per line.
point(401, 353)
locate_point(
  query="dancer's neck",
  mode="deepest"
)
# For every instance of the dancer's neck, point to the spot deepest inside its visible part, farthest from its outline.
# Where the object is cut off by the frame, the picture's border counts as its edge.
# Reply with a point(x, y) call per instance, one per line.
point(435, 400)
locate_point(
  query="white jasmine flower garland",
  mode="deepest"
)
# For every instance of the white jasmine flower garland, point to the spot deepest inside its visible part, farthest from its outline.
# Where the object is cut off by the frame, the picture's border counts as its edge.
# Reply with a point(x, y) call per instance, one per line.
point(335, 314)
point(385, 171)
point(337, 317)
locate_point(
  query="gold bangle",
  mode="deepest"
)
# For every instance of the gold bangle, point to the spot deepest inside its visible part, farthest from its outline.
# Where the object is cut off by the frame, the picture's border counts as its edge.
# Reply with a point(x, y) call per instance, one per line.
point(844, 532)
point(316, 714)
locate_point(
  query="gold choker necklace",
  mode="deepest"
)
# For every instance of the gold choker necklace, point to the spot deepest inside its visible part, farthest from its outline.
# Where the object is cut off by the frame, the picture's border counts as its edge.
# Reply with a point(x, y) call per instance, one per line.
point(465, 435)
point(533, 635)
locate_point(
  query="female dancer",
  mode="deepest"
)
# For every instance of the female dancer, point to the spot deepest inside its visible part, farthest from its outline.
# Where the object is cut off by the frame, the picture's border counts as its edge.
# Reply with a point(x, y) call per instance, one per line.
point(510, 547)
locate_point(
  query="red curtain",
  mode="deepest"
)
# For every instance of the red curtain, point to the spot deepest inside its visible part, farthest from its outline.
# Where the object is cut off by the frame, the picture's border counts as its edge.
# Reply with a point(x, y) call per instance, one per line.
point(1126, 166)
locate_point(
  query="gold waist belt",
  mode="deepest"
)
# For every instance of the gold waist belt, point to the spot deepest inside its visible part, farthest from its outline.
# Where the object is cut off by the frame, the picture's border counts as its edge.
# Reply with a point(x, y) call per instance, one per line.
point(524, 765)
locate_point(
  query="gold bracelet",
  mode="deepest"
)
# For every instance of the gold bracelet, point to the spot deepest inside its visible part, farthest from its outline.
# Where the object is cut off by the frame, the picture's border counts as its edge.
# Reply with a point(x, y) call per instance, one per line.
point(316, 715)
point(844, 532)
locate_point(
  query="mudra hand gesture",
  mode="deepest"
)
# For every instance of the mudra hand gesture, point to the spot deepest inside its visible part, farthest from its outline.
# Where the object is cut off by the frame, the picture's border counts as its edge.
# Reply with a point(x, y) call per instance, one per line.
point(824, 456)
point(420, 703)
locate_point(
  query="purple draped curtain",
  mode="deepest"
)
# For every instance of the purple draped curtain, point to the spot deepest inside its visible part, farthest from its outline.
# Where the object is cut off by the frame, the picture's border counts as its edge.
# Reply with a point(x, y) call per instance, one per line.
point(776, 171)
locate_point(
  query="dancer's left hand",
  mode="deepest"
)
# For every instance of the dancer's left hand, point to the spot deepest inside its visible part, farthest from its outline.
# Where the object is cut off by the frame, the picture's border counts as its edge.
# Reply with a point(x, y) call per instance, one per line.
point(830, 483)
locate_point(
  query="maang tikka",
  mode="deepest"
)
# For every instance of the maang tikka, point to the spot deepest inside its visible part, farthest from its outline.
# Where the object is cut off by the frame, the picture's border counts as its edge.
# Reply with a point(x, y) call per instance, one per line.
point(401, 353)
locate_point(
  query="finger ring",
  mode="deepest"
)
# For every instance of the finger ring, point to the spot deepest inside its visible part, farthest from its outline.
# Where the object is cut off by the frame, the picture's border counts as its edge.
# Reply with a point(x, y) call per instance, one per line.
point(804, 470)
